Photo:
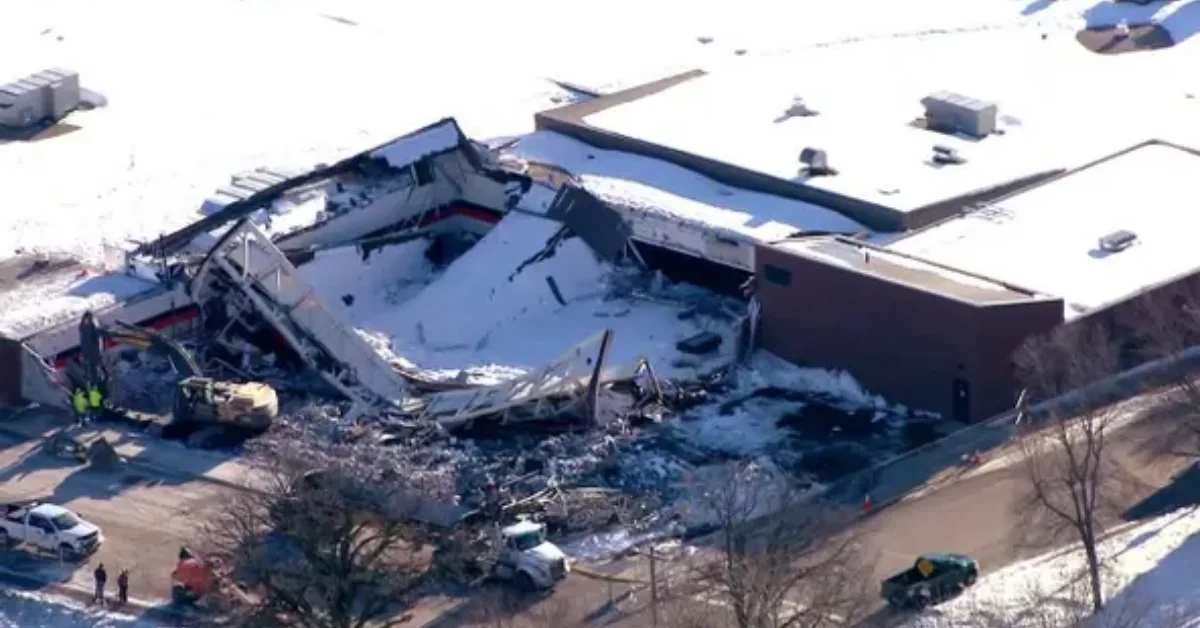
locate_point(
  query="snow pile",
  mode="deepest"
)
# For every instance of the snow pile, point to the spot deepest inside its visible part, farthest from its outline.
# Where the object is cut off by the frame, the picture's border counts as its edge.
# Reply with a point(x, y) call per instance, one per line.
point(1149, 574)
point(767, 370)
point(750, 420)
point(20, 609)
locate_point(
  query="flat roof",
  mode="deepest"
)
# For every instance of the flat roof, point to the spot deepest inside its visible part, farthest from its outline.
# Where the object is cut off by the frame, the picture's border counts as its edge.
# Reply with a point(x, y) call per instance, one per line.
point(906, 270)
point(656, 187)
point(40, 294)
point(869, 119)
point(1047, 238)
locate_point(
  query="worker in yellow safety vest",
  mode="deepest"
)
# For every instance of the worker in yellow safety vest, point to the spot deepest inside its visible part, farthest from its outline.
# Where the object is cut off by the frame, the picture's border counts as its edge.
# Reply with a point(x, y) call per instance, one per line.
point(80, 401)
point(95, 401)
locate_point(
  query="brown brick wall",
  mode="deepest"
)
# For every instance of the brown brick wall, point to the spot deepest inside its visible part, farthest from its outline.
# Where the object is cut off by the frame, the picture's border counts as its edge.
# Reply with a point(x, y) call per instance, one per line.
point(905, 344)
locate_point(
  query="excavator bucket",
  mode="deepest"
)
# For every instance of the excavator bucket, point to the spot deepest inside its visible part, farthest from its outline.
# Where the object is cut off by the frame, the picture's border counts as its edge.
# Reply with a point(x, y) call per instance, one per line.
point(103, 457)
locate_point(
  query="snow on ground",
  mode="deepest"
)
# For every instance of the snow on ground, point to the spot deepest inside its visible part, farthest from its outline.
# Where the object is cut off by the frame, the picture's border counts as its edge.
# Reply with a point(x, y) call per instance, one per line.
point(481, 312)
point(1150, 574)
point(61, 297)
point(178, 124)
point(754, 426)
point(20, 609)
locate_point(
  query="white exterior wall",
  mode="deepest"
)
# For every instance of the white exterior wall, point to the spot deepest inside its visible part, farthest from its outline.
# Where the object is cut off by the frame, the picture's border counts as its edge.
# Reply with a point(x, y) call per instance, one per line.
point(720, 246)
point(56, 340)
point(453, 179)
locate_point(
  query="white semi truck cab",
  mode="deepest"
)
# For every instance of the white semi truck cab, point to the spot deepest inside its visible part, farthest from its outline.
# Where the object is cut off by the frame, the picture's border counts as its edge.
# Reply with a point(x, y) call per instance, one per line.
point(527, 558)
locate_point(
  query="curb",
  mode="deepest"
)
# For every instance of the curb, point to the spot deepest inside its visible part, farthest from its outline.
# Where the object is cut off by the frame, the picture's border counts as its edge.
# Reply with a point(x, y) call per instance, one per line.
point(69, 589)
point(603, 577)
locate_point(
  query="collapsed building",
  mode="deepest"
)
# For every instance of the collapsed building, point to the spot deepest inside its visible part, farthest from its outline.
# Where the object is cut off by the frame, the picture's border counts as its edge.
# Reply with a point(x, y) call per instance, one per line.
point(230, 282)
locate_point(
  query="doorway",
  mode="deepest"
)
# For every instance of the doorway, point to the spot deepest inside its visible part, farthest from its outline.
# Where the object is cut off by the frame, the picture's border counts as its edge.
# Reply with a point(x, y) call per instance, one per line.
point(962, 400)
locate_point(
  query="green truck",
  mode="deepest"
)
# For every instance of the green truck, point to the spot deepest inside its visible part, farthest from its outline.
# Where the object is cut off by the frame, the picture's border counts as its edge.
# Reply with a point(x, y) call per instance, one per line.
point(931, 579)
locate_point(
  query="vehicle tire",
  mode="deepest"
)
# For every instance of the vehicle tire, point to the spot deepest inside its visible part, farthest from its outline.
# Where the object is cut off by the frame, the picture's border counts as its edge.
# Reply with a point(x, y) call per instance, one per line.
point(524, 582)
point(66, 553)
point(970, 579)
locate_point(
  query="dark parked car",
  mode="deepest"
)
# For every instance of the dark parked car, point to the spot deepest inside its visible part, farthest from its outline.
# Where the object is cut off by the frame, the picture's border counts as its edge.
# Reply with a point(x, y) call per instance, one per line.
point(931, 579)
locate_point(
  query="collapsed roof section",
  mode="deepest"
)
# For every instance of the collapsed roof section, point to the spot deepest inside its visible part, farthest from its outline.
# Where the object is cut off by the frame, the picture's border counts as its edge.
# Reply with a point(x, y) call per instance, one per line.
point(569, 385)
point(250, 274)
point(409, 153)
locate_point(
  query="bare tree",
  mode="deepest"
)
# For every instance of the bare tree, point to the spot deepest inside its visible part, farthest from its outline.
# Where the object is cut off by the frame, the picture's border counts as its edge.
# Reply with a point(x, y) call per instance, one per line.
point(782, 561)
point(1070, 479)
point(1165, 324)
point(326, 549)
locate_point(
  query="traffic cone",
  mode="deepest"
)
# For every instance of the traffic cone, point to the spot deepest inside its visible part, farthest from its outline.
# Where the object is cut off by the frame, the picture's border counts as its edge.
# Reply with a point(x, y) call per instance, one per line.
point(866, 504)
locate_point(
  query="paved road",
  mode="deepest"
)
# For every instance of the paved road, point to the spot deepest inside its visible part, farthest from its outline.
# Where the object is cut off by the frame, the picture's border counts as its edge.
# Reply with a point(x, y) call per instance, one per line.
point(145, 517)
point(979, 515)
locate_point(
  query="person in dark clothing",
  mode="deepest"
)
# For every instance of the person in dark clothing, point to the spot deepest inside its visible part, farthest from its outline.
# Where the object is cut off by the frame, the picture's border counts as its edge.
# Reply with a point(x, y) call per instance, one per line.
point(101, 578)
point(123, 586)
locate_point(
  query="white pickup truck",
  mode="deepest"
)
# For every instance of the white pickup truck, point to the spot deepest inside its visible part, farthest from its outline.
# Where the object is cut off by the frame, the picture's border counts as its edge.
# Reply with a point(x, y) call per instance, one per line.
point(49, 527)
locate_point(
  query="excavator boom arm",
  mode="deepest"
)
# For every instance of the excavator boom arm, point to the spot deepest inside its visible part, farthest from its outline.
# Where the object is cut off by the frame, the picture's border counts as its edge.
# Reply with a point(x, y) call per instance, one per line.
point(94, 337)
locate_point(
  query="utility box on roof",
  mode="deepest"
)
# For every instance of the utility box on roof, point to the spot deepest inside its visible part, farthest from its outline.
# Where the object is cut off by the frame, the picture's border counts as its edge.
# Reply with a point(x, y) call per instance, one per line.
point(47, 95)
point(954, 113)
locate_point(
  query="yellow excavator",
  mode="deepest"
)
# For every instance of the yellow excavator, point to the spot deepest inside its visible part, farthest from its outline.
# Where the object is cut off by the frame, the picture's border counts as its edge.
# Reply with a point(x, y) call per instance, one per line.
point(197, 399)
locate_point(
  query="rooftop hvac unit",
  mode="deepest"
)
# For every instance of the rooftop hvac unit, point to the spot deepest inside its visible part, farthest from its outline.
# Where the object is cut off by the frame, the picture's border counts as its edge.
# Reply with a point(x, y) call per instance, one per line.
point(954, 113)
point(1117, 241)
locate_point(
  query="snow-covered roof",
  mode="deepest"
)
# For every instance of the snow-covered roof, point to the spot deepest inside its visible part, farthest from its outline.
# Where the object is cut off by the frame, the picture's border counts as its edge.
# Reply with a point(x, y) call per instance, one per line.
point(663, 189)
point(1053, 98)
point(905, 270)
point(1048, 238)
point(436, 138)
point(41, 300)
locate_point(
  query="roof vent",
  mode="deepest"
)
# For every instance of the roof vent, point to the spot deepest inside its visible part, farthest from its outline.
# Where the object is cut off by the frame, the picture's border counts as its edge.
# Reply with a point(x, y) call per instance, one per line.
point(945, 156)
point(1118, 241)
point(798, 109)
point(816, 162)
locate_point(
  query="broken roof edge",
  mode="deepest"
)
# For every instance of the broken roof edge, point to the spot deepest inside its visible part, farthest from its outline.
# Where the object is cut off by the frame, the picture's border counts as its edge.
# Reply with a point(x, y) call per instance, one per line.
point(569, 120)
point(1021, 295)
point(175, 241)
point(459, 141)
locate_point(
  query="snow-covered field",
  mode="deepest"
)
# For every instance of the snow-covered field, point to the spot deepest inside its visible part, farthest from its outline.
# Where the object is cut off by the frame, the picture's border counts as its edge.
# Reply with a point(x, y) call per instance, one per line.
point(1150, 576)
